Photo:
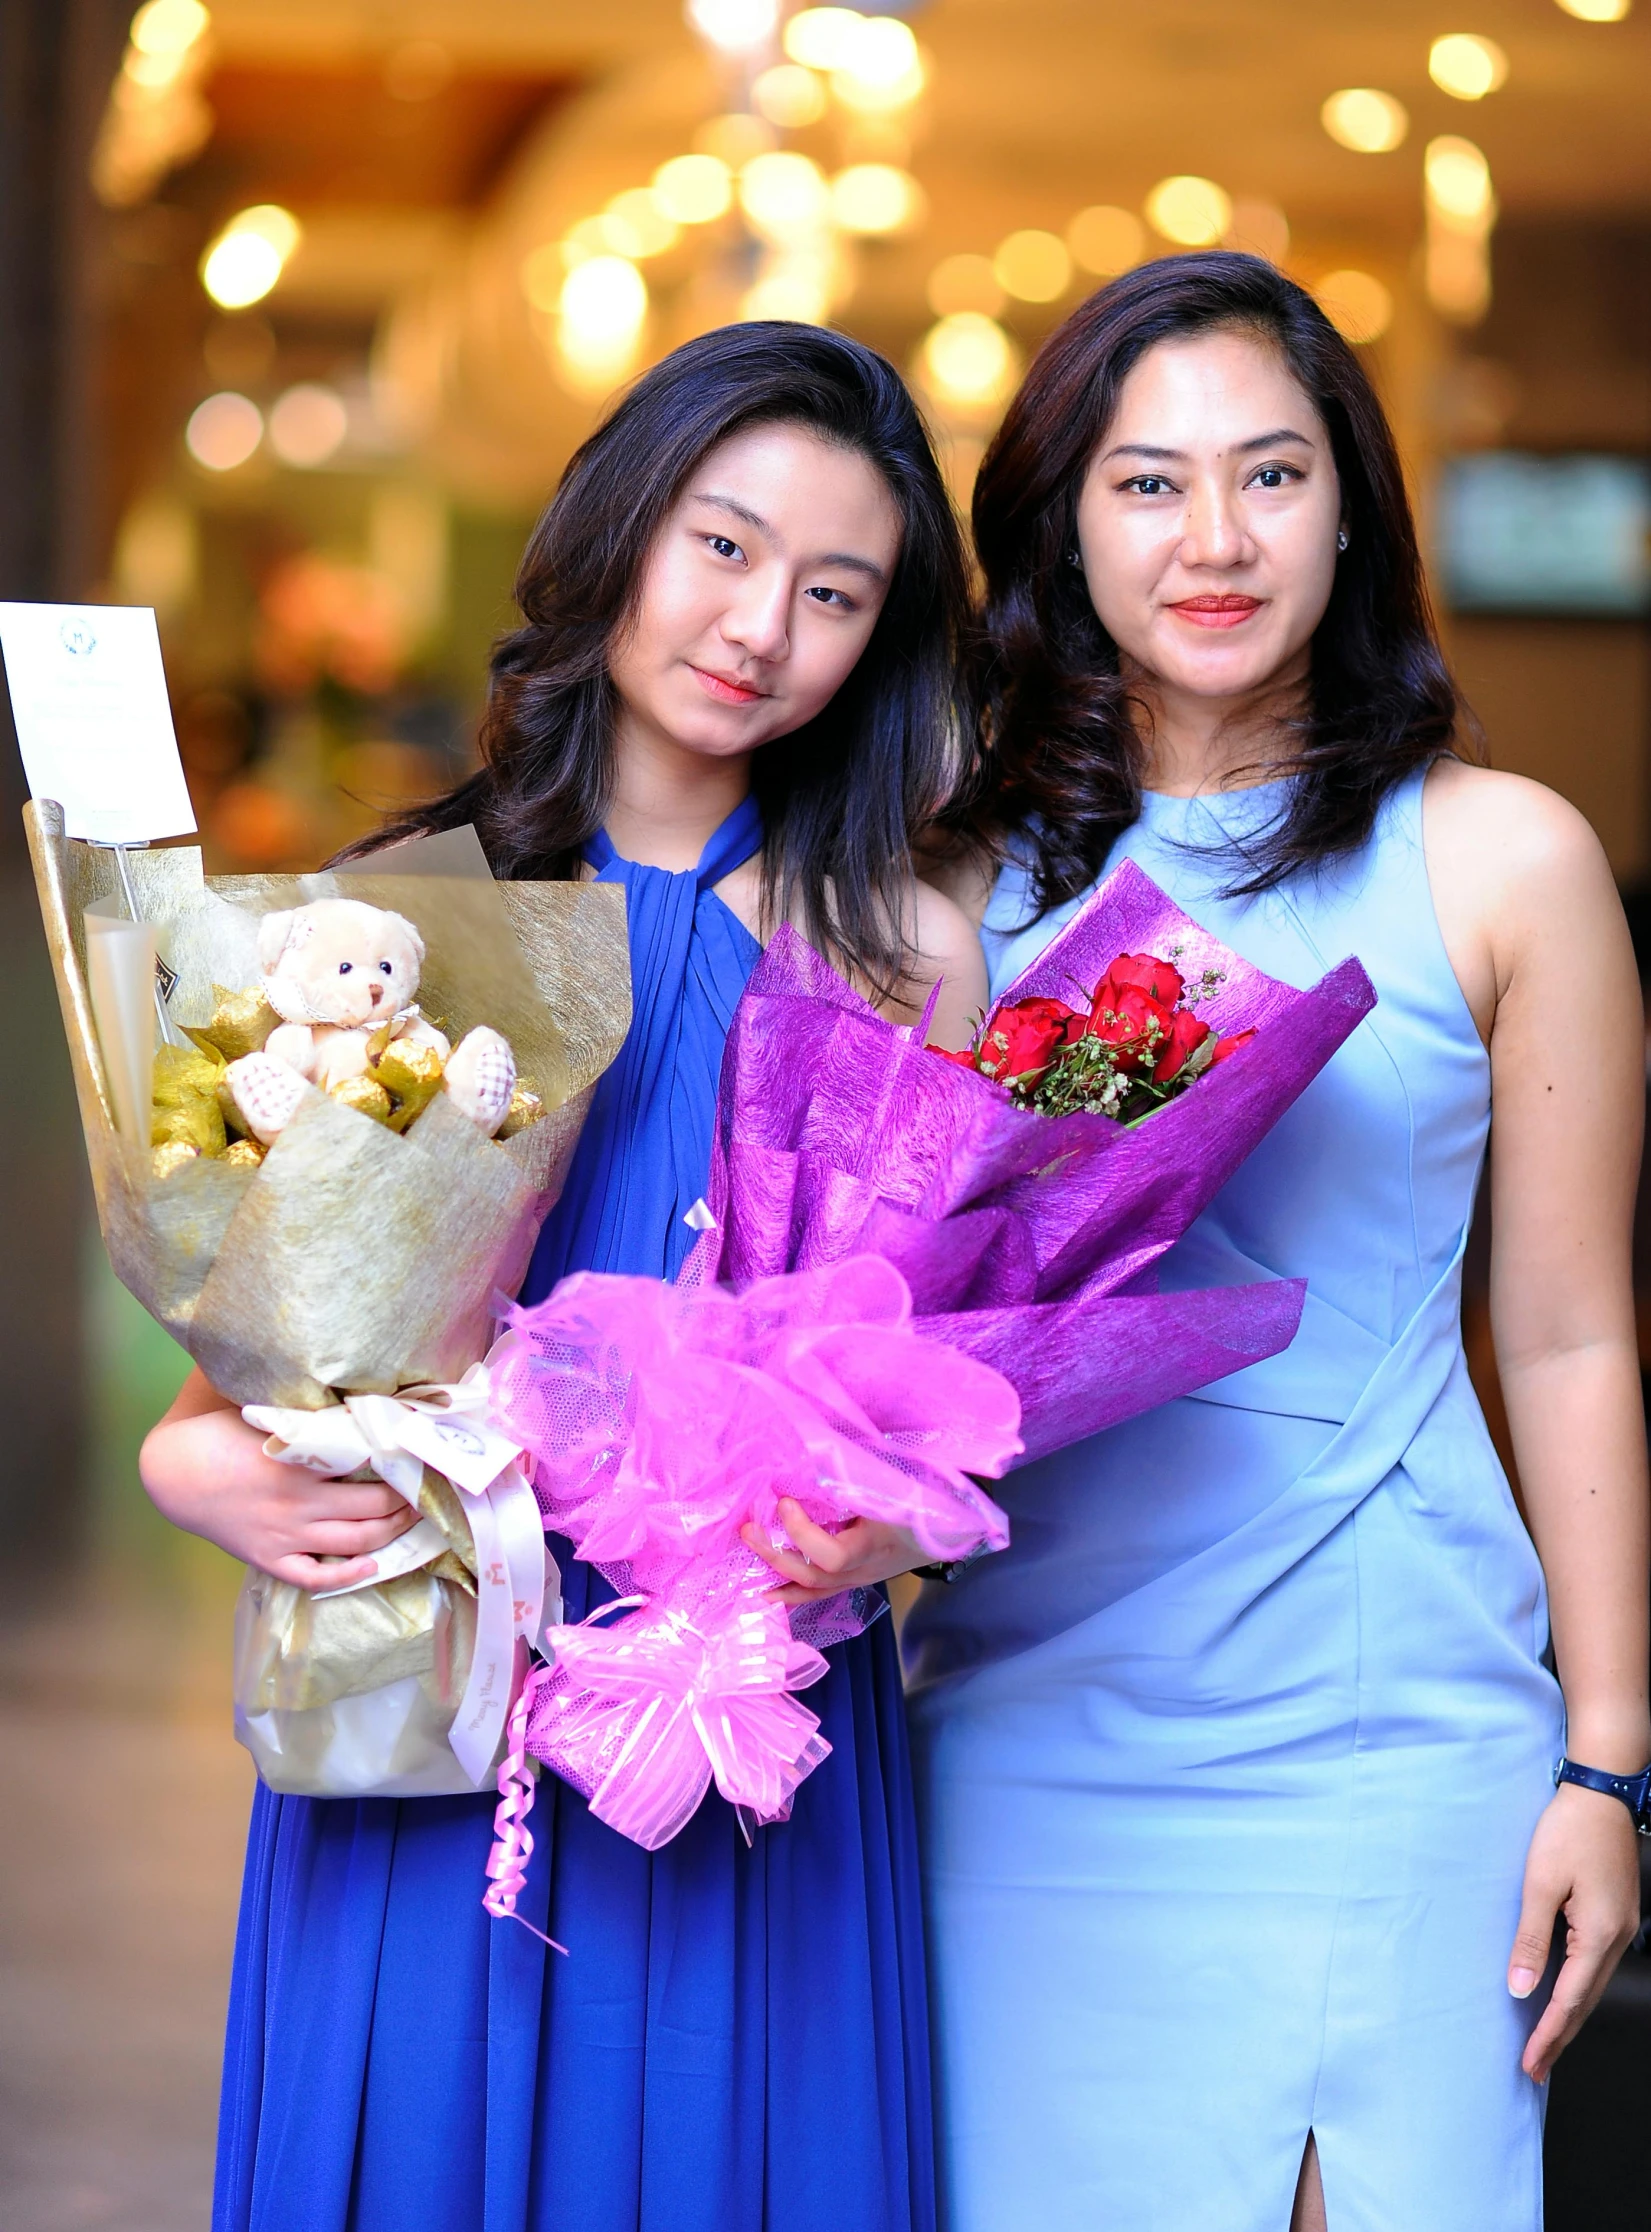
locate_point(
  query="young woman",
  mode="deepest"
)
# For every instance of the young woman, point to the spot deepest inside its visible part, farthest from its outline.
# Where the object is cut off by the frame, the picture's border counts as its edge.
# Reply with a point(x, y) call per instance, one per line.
point(1237, 1769)
point(733, 692)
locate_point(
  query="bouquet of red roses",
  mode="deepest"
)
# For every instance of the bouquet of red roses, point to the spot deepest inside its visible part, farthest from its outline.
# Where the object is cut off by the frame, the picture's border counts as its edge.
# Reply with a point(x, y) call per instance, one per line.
point(1137, 1042)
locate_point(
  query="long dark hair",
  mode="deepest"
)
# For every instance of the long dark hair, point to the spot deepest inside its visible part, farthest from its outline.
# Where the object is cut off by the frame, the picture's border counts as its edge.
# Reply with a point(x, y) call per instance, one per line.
point(1061, 756)
point(842, 797)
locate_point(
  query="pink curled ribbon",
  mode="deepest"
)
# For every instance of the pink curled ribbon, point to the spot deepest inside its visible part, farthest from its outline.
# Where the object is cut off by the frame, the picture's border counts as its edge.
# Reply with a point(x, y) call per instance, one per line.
point(512, 1838)
point(642, 1713)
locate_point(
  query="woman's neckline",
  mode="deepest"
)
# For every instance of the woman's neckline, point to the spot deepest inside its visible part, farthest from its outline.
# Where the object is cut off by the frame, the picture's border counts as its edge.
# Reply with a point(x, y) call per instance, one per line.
point(1232, 790)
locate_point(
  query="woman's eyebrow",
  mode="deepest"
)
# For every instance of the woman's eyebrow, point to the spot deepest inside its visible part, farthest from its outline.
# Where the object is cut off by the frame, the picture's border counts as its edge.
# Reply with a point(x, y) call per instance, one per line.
point(1157, 456)
point(743, 512)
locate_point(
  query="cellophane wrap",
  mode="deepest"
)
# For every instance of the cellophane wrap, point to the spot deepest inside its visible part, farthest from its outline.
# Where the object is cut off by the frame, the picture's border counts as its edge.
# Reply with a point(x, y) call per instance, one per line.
point(352, 1260)
point(863, 1192)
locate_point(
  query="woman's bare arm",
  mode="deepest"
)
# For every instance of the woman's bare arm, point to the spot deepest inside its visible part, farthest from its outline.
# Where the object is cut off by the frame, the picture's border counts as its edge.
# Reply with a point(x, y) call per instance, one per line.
point(206, 1471)
point(1532, 922)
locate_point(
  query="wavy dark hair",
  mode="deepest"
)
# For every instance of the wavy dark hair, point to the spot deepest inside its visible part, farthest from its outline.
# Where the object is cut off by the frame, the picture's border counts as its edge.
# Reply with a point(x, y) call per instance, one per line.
point(1060, 758)
point(841, 797)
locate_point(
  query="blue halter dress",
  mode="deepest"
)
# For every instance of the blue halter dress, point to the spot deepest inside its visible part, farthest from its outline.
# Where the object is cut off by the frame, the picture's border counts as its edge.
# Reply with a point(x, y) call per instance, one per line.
point(737, 2041)
point(1227, 1767)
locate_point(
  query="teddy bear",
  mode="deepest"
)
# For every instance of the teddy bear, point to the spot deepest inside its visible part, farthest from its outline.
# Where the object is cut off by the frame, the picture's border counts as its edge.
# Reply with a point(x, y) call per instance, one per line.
point(341, 975)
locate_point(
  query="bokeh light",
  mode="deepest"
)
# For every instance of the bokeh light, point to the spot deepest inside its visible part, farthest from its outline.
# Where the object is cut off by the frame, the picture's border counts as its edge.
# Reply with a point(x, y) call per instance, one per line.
point(784, 194)
point(875, 198)
point(823, 38)
point(1597, 11)
point(789, 96)
point(693, 189)
point(1193, 212)
point(602, 310)
point(1467, 66)
point(169, 27)
point(1105, 240)
point(965, 282)
point(794, 284)
point(1356, 303)
point(736, 26)
point(1458, 181)
point(881, 68)
point(637, 226)
point(1033, 266)
point(243, 264)
point(735, 137)
point(967, 359)
point(308, 425)
point(1365, 120)
point(224, 431)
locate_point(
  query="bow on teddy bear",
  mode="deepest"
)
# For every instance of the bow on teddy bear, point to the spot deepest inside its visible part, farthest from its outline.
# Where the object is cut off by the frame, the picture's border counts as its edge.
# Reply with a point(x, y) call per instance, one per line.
point(341, 975)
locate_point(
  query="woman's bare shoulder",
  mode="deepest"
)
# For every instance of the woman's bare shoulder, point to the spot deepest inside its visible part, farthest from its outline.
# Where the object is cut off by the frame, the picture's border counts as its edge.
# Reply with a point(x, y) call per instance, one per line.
point(1506, 827)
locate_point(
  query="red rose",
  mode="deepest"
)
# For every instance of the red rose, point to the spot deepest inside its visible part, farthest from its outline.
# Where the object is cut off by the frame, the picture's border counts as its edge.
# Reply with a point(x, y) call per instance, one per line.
point(1131, 1022)
point(1231, 1045)
point(963, 1056)
point(1021, 1038)
point(1143, 972)
point(1186, 1035)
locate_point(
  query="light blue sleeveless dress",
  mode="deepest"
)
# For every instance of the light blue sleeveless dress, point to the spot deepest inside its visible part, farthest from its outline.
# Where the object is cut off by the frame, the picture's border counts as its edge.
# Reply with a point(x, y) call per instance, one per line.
point(1227, 1767)
point(737, 2040)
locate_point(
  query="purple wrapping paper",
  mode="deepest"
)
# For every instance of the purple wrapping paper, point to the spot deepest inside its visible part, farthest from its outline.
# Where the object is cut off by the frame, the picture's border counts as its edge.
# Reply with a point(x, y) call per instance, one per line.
point(1028, 1241)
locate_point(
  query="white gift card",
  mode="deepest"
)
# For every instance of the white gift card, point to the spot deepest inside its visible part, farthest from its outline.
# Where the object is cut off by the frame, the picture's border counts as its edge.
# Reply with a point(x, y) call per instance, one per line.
point(88, 694)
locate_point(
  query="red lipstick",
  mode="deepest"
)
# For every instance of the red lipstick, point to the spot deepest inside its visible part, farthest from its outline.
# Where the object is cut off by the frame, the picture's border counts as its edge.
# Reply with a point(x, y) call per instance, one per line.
point(1217, 612)
point(726, 690)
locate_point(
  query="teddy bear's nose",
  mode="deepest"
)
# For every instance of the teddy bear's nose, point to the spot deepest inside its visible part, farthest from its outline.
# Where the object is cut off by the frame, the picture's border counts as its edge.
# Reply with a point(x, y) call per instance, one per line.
point(375, 993)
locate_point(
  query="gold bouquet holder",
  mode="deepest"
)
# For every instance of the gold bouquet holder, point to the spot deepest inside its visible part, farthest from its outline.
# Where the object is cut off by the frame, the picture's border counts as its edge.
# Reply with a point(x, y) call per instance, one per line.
point(352, 1260)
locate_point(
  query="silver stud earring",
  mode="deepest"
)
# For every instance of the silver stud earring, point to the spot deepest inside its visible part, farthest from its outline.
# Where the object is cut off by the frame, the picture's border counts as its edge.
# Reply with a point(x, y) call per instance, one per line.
point(1341, 538)
point(1073, 558)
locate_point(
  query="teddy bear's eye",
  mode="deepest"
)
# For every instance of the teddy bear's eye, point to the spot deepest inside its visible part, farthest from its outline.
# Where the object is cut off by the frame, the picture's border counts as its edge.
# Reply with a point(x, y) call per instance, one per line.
point(344, 967)
point(384, 969)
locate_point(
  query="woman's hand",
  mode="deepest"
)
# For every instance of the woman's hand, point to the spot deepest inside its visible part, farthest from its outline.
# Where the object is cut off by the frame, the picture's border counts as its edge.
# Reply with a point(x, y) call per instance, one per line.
point(1583, 1863)
point(206, 1471)
point(823, 1565)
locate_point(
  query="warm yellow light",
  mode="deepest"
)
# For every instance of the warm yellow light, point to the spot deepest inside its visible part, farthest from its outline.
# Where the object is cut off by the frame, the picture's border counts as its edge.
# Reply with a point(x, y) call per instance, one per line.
point(789, 96)
point(308, 424)
point(968, 359)
point(224, 431)
point(1458, 273)
point(693, 189)
point(1261, 228)
point(737, 26)
point(733, 139)
point(784, 193)
point(1458, 183)
point(875, 198)
point(542, 274)
point(249, 255)
point(964, 283)
point(637, 226)
point(1191, 211)
point(881, 68)
point(1466, 66)
point(1368, 122)
point(605, 299)
point(822, 38)
point(154, 72)
point(1033, 266)
point(169, 26)
point(1597, 11)
point(1105, 241)
point(1356, 303)
point(796, 287)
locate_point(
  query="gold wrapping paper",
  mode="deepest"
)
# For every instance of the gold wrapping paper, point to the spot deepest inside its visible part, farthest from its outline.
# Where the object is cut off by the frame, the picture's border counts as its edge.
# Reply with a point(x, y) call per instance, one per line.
point(351, 1259)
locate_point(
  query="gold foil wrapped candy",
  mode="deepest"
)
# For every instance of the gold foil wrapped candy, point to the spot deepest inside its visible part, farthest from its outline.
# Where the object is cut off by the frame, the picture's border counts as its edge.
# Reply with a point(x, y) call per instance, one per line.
point(240, 1023)
point(175, 1155)
point(410, 1072)
point(244, 1154)
point(364, 1094)
point(525, 1108)
point(186, 1100)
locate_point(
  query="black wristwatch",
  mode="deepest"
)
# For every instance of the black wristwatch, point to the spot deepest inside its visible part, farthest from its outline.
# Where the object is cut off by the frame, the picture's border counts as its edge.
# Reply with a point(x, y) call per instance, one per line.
point(1633, 1790)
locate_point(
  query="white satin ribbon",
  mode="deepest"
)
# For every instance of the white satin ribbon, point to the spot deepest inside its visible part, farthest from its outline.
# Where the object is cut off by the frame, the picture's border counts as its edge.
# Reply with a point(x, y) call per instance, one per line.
point(447, 1427)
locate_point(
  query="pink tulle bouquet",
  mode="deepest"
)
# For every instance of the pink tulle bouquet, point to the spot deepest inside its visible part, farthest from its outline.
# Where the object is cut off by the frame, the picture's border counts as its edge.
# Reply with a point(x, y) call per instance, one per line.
point(908, 1279)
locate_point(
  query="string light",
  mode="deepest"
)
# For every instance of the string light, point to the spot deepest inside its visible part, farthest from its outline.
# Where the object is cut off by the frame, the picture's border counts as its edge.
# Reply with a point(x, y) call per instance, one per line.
point(1368, 122)
point(693, 189)
point(967, 359)
point(1193, 212)
point(1466, 66)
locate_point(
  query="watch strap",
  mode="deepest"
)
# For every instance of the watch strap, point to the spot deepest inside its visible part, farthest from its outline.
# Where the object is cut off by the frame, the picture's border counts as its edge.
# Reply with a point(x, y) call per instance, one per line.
point(1633, 1790)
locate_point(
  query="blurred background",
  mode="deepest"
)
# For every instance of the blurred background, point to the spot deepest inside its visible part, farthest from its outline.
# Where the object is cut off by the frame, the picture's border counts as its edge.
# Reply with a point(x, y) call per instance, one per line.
point(304, 304)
